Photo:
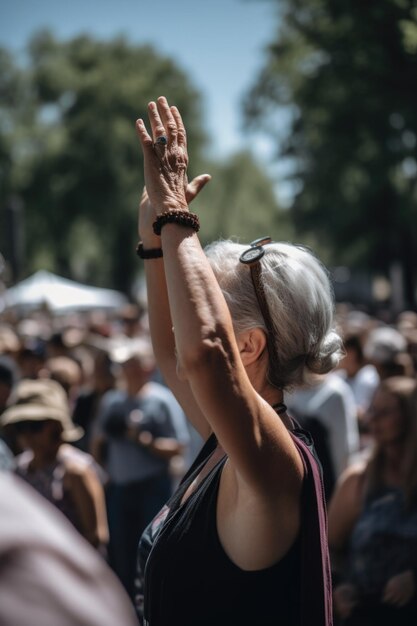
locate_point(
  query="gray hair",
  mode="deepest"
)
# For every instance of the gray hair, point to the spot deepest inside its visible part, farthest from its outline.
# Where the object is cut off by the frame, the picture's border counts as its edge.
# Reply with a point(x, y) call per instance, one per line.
point(300, 301)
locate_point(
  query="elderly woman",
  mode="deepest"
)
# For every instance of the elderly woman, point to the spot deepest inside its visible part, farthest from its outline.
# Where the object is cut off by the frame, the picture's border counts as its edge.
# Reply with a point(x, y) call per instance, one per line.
point(373, 516)
point(243, 539)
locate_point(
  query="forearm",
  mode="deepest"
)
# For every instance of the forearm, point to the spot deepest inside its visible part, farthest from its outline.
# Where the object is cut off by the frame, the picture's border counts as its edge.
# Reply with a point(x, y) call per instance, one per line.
point(160, 323)
point(199, 312)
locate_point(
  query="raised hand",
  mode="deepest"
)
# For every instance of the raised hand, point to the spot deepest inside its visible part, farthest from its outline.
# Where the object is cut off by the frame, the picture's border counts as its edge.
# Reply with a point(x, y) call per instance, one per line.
point(165, 157)
point(147, 213)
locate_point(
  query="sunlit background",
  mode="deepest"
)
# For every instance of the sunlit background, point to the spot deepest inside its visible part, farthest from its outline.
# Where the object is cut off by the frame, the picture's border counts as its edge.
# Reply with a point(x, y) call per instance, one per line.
point(304, 112)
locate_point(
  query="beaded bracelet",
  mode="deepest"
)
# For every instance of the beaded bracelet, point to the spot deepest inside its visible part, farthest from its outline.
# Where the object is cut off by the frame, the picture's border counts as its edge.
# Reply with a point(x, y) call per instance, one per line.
point(150, 253)
point(176, 216)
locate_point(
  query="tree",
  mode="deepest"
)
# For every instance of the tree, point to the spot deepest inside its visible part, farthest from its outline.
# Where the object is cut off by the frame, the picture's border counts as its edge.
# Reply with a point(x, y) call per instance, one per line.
point(240, 203)
point(69, 152)
point(347, 72)
point(68, 148)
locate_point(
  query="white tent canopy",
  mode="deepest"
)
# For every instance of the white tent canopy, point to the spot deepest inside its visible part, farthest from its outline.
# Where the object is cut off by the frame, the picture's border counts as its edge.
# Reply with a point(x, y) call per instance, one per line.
point(59, 295)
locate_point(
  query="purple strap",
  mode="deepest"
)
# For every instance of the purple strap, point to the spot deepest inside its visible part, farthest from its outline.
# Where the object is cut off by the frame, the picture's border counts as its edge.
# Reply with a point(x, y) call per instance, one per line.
point(316, 584)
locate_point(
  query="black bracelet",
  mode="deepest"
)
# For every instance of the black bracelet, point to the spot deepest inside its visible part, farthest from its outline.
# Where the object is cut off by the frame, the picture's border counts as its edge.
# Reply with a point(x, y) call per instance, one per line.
point(150, 253)
point(176, 216)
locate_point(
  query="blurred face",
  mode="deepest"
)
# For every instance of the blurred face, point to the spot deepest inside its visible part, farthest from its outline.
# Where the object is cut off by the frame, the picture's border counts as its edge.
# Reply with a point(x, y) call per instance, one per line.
point(43, 436)
point(5, 390)
point(350, 362)
point(385, 420)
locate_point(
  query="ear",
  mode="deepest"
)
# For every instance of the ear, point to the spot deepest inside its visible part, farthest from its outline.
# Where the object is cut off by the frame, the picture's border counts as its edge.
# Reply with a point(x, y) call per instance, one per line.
point(251, 344)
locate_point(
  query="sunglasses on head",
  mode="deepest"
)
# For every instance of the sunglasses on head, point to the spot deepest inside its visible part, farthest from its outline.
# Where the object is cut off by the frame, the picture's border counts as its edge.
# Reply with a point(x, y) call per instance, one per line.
point(252, 257)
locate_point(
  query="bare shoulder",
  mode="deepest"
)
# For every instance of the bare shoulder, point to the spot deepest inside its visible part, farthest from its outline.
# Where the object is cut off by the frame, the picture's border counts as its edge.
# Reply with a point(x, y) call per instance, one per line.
point(75, 462)
point(77, 472)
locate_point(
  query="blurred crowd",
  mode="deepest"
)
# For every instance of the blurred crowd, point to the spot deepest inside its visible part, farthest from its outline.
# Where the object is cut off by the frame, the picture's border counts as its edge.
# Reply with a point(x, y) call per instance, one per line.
point(363, 418)
point(87, 422)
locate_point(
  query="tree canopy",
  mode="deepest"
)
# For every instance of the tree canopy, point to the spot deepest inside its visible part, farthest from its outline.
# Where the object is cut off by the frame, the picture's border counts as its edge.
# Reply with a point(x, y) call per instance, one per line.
point(71, 165)
point(347, 72)
point(240, 203)
point(68, 148)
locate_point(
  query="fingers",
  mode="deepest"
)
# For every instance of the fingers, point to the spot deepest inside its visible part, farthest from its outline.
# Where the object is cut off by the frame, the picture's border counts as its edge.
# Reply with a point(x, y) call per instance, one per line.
point(145, 139)
point(168, 120)
point(196, 185)
point(158, 129)
point(181, 134)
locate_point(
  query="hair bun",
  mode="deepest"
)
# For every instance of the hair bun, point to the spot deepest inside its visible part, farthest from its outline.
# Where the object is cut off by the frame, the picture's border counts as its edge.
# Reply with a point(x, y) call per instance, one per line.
point(327, 356)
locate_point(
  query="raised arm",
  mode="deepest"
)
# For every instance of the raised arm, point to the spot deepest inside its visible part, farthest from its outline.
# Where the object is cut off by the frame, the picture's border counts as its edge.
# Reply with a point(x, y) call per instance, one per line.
point(160, 321)
point(209, 357)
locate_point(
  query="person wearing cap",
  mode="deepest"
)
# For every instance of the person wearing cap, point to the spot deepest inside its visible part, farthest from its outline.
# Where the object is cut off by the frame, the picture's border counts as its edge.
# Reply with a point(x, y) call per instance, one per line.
point(38, 411)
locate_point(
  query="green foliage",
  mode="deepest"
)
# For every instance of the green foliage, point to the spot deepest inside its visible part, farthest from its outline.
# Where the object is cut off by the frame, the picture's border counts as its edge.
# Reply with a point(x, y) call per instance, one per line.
point(239, 203)
point(68, 148)
point(348, 71)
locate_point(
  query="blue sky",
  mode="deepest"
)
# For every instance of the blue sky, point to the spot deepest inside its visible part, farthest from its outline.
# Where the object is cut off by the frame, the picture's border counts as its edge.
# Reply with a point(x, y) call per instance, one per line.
point(220, 43)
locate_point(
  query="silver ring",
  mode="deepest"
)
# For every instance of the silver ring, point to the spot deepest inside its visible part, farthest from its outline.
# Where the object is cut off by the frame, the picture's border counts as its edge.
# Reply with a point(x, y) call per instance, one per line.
point(161, 141)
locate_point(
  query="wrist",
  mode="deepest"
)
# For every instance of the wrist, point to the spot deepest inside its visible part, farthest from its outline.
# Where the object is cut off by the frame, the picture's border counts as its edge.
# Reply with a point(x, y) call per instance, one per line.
point(183, 218)
point(148, 253)
point(171, 205)
point(150, 240)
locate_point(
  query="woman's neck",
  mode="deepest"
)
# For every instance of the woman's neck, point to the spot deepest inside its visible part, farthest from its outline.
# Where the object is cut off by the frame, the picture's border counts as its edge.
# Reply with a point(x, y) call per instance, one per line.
point(275, 397)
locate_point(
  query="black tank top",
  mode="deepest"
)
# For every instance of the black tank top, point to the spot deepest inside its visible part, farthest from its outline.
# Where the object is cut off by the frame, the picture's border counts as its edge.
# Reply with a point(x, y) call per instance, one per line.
point(192, 580)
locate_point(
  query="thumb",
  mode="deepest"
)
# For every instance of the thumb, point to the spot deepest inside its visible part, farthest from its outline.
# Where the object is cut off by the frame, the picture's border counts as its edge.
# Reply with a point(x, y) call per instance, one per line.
point(196, 185)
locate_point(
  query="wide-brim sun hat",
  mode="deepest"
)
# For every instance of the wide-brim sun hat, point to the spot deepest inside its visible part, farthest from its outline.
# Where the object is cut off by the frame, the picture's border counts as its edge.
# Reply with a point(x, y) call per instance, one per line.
point(39, 400)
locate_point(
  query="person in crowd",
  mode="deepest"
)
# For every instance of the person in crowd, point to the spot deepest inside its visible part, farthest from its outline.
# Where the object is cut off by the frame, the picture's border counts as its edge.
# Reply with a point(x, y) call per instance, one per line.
point(50, 576)
point(231, 331)
point(373, 517)
point(31, 359)
point(327, 409)
point(67, 372)
point(130, 319)
point(56, 346)
point(8, 441)
point(361, 376)
point(88, 400)
point(386, 349)
point(7, 379)
point(38, 411)
point(9, 341)
point(6, 457)
point(136, 437)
